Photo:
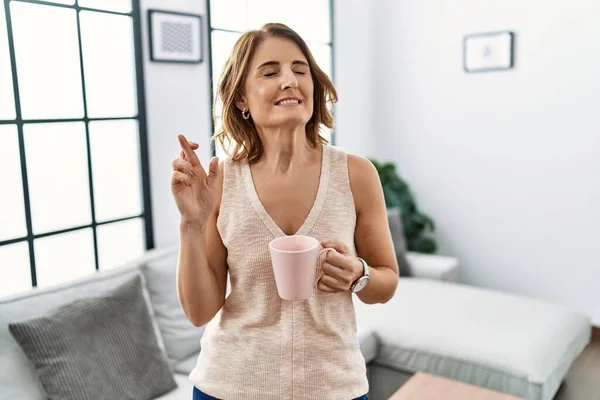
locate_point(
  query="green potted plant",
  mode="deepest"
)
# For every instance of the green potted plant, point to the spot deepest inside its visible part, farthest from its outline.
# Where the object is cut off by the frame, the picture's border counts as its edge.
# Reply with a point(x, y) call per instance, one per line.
point(418, 227)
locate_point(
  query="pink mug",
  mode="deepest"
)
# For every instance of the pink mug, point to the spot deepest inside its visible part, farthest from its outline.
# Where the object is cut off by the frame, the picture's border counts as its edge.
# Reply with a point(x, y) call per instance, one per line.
point(295, 261)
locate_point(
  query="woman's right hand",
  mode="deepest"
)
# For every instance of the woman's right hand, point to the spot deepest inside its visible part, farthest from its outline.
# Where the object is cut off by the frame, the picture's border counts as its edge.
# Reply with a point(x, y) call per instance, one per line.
point(193, 188)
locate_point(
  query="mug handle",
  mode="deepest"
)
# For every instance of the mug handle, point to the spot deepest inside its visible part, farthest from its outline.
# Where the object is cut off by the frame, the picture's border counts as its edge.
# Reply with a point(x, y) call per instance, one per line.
point(319, 262)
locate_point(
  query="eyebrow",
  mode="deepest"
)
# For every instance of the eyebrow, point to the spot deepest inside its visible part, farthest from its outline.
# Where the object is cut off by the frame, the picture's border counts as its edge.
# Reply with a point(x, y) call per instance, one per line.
point(268, 63)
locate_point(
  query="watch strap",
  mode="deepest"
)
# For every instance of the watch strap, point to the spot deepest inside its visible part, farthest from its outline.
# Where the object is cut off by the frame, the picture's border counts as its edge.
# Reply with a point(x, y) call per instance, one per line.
point(365, 267)
point(366, 275)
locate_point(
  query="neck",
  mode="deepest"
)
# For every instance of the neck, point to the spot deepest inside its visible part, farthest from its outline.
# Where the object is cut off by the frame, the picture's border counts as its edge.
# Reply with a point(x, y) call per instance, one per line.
point(285, 149)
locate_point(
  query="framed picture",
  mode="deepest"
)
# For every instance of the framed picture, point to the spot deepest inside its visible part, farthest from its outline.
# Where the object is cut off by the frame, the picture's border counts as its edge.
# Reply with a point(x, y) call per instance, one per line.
point(175, 37)
point(488, 51)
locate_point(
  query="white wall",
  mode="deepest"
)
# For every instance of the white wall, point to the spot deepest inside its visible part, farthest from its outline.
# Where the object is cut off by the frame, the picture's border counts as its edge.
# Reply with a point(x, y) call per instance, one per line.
point(507, 163)
point(177, 101)
point(353, 74)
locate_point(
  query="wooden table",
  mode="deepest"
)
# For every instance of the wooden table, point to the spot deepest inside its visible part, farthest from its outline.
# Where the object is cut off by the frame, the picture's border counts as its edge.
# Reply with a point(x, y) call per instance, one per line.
point(422, 386)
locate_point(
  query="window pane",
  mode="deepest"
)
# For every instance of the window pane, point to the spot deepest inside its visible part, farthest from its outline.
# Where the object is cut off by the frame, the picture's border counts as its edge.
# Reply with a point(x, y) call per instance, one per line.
point(311, 20)
point(12, 211)
point(58, 175)
point(222, 44)
point(15, 271)
point(65, 257)
point(120, 242)
point(229, 14)
point(322, 55)
point(47, 57)
point(123, 6)
point(116, 169)
point(109, 64)
point(7, 100)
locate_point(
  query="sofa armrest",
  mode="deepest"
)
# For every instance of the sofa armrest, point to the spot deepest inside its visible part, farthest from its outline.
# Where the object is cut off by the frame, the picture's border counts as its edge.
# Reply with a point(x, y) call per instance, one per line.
point(430, 266)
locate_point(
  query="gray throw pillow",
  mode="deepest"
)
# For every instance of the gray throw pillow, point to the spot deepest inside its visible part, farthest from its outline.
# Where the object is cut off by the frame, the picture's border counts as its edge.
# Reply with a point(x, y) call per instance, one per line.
point(180, 336)
point(397, 231)
point(100, 347)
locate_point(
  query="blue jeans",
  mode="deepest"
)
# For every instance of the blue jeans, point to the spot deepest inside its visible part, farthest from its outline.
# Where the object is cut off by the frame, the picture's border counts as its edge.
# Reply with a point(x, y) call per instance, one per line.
point(198, 395)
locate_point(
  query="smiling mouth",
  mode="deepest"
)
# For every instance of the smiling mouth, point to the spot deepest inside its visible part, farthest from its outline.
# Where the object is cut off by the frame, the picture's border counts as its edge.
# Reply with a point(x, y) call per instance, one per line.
point(289, 102)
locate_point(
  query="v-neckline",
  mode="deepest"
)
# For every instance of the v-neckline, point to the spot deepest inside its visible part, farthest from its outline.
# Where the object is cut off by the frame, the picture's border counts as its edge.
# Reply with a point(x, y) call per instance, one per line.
point(316, 206)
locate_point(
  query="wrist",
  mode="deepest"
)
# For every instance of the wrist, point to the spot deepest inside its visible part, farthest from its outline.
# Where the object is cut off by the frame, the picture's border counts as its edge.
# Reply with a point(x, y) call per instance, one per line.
point(363, 278)
point(359, 270)
point(192, 226)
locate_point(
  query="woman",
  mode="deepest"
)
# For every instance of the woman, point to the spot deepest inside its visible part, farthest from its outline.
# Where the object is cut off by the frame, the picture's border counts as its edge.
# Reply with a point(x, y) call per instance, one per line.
point(281, 179)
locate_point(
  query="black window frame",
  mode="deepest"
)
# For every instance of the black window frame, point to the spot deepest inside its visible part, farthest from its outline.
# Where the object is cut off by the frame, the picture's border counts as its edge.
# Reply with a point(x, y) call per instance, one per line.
point(146, 214)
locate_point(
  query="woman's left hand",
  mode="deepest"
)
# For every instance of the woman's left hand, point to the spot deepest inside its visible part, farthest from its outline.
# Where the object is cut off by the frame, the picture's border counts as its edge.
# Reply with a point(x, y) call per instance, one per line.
point(339, 269)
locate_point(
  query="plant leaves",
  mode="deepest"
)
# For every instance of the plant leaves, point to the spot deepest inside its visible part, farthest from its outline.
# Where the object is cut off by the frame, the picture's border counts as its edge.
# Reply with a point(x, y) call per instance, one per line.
point(418, 227)
point(422, 245)
point(429, 222)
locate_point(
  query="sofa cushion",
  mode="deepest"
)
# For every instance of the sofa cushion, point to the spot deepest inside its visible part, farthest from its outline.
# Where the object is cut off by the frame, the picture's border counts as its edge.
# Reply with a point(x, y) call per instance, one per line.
point(433, 266)
point(97, 347)
point(397, 232)
point(17, 375)
point(510, 343)
point(180, 337)
point(184, 390)
point(186, 365)
point(369, 344)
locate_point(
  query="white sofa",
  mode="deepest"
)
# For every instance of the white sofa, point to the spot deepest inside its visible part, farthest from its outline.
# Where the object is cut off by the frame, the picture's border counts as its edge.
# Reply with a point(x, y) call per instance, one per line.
point(517, 345)
point(509, 343)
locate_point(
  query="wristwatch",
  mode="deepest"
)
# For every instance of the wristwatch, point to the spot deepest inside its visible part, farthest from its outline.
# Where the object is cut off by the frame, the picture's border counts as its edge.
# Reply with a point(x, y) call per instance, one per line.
point(361, 282)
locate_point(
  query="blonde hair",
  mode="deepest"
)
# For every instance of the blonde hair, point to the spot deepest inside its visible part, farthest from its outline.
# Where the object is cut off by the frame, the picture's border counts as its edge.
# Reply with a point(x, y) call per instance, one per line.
point(241, 133)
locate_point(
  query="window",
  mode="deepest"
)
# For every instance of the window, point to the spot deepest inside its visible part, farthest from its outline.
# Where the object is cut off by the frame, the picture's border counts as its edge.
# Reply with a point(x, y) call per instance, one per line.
point(228, 19)
point(73, 151)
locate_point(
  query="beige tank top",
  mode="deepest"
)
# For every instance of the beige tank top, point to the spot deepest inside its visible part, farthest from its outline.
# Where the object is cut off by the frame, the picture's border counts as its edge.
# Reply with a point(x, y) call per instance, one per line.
point(260, 347)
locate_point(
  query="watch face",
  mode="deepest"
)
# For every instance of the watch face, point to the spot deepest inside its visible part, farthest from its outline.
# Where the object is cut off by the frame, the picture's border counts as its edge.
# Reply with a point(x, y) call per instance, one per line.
point(362, 282)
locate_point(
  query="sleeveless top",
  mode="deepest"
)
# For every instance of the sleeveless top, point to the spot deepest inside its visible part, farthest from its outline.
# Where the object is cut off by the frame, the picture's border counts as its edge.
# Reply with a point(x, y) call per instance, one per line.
point(259, 346)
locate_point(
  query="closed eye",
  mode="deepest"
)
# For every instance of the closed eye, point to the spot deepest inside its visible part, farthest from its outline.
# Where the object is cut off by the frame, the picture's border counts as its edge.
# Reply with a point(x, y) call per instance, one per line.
point(271, 74)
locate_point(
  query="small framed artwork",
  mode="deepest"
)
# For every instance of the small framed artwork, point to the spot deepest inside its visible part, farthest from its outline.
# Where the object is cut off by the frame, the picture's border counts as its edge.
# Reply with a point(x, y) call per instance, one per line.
point(488, 51)
point(175, 37)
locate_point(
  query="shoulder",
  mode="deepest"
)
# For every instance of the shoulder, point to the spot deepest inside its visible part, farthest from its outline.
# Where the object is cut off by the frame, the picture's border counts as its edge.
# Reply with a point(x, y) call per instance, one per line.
point(357, 165)
point(361, 171)
point(364, 182)
point(230, 176)
point(227, 165)
point(220, 181)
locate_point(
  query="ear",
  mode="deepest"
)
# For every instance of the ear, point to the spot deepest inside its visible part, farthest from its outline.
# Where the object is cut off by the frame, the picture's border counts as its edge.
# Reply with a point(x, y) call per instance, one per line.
point(240, 101)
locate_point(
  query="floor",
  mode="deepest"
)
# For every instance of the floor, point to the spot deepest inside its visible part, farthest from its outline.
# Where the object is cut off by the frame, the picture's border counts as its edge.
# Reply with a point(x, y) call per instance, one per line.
point(583, 381)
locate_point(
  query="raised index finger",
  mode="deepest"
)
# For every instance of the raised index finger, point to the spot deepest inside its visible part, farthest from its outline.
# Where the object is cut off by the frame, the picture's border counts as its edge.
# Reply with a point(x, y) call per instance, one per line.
point(187, 149)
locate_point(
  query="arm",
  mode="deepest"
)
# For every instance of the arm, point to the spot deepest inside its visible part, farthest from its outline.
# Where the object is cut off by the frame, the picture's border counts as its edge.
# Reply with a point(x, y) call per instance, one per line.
point(372, 236)
point(202, 264)
point(372, 239)
point(202, 267)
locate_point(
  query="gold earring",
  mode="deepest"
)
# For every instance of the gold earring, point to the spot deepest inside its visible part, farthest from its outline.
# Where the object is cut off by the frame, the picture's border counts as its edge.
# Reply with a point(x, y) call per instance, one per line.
point(245, 113)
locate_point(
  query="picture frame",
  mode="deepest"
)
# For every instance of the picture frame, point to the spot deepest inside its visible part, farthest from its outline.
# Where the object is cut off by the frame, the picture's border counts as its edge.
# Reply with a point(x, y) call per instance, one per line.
point(175, 37)
point(492, 51)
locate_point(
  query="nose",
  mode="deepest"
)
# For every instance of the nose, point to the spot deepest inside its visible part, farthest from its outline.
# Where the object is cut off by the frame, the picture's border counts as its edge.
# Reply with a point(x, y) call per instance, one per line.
point(288, 80)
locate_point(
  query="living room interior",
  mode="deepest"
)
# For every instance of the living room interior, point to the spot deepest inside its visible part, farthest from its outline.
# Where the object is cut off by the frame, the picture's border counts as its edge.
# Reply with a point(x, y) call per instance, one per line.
point(482, 117)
